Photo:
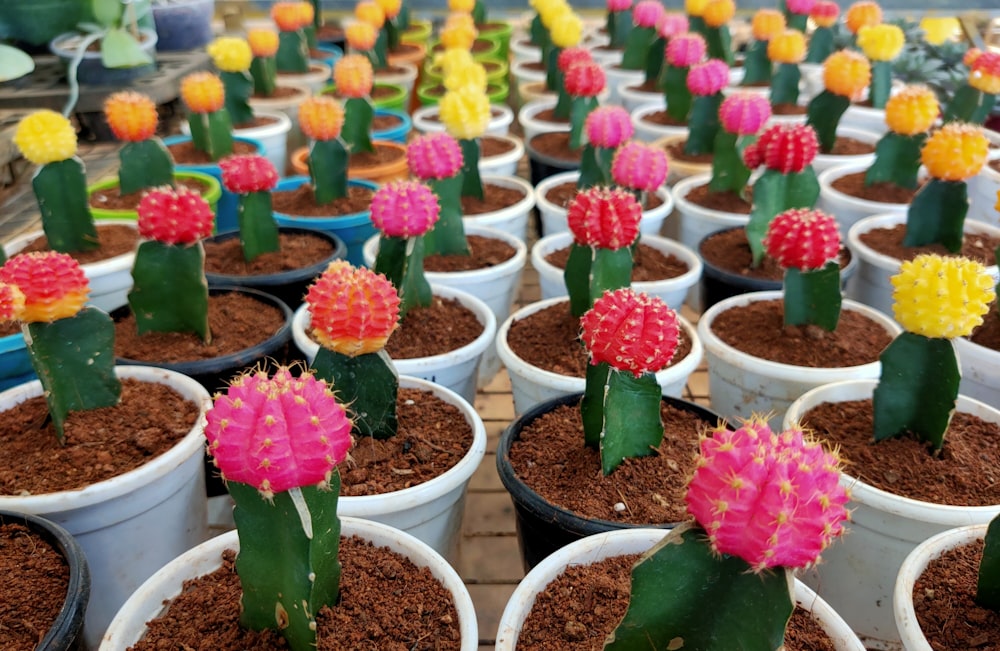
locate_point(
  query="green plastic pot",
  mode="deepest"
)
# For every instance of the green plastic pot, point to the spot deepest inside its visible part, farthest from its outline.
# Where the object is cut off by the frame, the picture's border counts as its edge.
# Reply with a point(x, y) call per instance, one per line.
point(490, 52)
point(394, 102)
point(430, 94)
point(211, 196)
point(418, 32)
point(499, 31)
point(496, 71)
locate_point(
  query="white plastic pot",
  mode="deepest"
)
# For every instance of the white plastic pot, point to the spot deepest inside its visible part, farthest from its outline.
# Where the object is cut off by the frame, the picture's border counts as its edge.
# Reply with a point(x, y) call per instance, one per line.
point(554, 216)
point(521, 73)
point(983, 190)
point(871, 284)
point(132, 524)
point(859, 571)
point(531, 385)
point(456, 369)
point(315, 79)
point(531, 125)
point(620, 542)
point(646, 131)
point(499, 125)
point(980, 371)
point(696, 222)
point(616, 77)
point(504, 164)
point(823, 162)
point(110, 280)
point(521, 49)
point(514, 218)
point(406, 77)
point(916, 562)
point(632, 98)
point(679, 169)
point(865, 117)
point(273, 136)
point(290, 107)
point(848, 210)
point(742, 385)
point(671, 290)
point(148, 601)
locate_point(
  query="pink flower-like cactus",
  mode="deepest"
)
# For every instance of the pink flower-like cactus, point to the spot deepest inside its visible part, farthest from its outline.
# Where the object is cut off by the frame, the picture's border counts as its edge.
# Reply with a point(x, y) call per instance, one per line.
point(619, 5)
point(632, 332)
point(584, 79)
point(773, 499)
point(434, 155)
point(353, 310)
point(672, 24)
point(404, 209)
point(571, 56)
point(609, 126)
point(708, 77)
point(277, 433)
point(802, 239)
point(647, 13)
point(639, 166)
point(685, 50)
point(785, 148)
point(42, 286)
point(604, 218)
point(800, 7)
point(178, 217)
point(248, 173)
point(744, 113)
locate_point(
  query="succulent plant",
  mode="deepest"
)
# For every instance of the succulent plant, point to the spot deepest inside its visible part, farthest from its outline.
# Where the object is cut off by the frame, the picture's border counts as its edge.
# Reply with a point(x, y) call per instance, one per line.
point(292, 18)
point(716, 15)
point(607, 128)
point(322, 119)
point(881, 43)
point(436, 159)
point(705, 81)
point(145, 161)
point(618, 23)
point(938, 65)
point(824, 14)
point(974, 101)
point(584, 81)
point(682, 52)
point(797, 12)
point(277, 441)
point(741, 115)
point(354, 78)
point(644, 44)
point(763, 503)
point(846, 74)
point(211, 127)
point(909, 114)
point(988, 580)
point(252, 177)
point(764, 25)
point(263, 67)
point(70, 346)
point(787, 50)
point(233, 57)
point(465, 113)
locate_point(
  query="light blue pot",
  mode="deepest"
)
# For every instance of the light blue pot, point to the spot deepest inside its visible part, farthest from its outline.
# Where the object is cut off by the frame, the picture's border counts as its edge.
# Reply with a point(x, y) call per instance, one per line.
point(15, 367)
point(225, 215)
point(331, 54)
point(354, 229)
point(396, 134)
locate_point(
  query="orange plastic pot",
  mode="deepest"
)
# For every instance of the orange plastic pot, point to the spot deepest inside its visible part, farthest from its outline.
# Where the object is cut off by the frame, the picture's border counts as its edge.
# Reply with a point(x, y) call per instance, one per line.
point(395, 169)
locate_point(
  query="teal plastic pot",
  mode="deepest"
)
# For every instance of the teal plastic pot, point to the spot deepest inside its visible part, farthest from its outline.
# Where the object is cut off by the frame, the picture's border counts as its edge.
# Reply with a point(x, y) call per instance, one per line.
point(330, 53)
point(15, 366)
point(398, 133)
point(212, 195)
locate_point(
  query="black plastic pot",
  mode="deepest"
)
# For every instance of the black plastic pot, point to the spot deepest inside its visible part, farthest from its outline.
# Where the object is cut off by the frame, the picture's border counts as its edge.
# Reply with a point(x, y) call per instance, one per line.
point(542, 165)
point(66, 633)
point(288, 286)
point(542, 527)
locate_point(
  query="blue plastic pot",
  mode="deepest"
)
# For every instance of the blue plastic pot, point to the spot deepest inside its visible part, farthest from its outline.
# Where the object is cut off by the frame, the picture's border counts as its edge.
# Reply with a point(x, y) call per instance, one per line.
point(225, 214)
point(397, 134)
point(331, 54)
point(183, 25)
point(353, 229)
point(15, 367)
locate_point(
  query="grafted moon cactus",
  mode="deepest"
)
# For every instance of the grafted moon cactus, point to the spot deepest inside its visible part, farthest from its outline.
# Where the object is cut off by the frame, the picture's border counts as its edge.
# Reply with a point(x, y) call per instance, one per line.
point(252, 177)
point(145, 161)
point(824, 14)
point(909, 114)
point(705, 80)
point(211, 125)
point(607, 128)
point(436, 159)
point(681, 52)
point(639, 167)
point(742, 115)
point(846, 74)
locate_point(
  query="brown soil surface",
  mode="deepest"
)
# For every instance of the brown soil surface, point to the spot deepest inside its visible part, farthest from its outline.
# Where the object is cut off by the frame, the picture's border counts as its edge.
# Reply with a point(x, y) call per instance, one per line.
point(728, 250)
point(495, 197)
point(727, 201)
point(36, 579)
point(297, 251)
point(889, 241)
point(555, 144)
point(484, 252)
point(301, 202)
point(561, 195)
point(649, 264)
point(113, 240)
point(884, 192)
point(184, 153)
point(444, 326)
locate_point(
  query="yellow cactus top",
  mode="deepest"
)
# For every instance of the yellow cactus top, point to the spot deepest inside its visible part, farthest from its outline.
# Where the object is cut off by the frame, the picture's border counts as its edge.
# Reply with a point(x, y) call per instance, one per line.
point(549, 10)
point(263, 41)
point(452, 59)
point(789, 46)
point(230, 54)
point(566, 30)
point(458, 32)
point(464, 6)
point(718, 12)
point(465, 113)
point(941, 297)
point(291, 16)
point(353, 76)
point(955, 152)
point(767, 23)
point(390, 8)
point(912, 110)
point(472, 76)
point(203, 92)
point(938, 29)
point(131, 115)
point(45, 137)
point(361, 36)
point(695, 7)
point(847, 73)
point(861, 13)
point(370, 12)
point(321, 117)
point(881, 42)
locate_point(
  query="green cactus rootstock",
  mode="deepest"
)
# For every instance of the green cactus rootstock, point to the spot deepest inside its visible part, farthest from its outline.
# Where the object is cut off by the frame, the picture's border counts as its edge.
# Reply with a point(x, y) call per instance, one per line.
point(401, 260)
point(785, 84)
point(74, 359)
point(703, 124)
point(756, 64)
point(590, 271)
point(239, 87)
point(897, 160)
point(729, 173)
point(679, 98)
point(595, 167)
point(720, 44)
point(264, 71)
point(579, 109)
point(356, 132)
point(820, 45)
point(287, 563)
point(327, 170)
point(212, 133)
point(937, 215)
point(637, 47)
point(144, 164)
point(293, 52)
point(881, 83)
point(170, 293)
point(823, 114)
point(917, 390)
point(813, 297)
point(479, 13)
point(773, 193)
point(684, 596)
point(447, 237)
point(61, 190)
point(623, 414)
point(988, 583)
point(969, 105)
point(472, 183)
point(368, 384)
point(258, 230)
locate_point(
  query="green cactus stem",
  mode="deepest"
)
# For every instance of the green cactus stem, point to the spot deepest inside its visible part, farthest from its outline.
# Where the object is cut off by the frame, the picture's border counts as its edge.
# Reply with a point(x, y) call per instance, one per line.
point(618, 26)
point(720, 44)
point(144, 164)
point(61, 190)
point(401, 260)
point(368, 383)
point(327, 170)
point(655, 60)
point(988, 585)
point(917, 390)
point(969, 105)
point(448, 235)
point(580, 108)
point(258, 230)
point(403, 18)
point(293, 52)
point(264, 71)
point(937, 215)
point(391, 31)
point(881, 83)
point(637, 47)
point(697, 25)
point(539, 35)
point(554, 80)
point(622, 414)
point(813, 297)
point(729, 173)
point(287, 564)
point(472, 182)
point(785, 84)
point(3, 256)
point(74, 360)
point(774, 193)
point(823, 114)
point(820, 45)
point(703, 124)
point(897, 160)
point(170, 293)
point(678, 97)
point(239, 87)
point(590, 271)
point(595, 167)
point(756, 64)
point(212, 133)
point(379, 52)
point(356, 132)
point(726, 606)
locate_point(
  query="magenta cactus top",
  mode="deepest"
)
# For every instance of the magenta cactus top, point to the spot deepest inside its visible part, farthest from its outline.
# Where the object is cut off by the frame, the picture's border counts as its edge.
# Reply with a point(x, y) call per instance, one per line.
point(744, 113)
point(571, 56)
point(671, 24)
point(639, 166)
point(609, 126)
point(708, 77)
point(647, 13)
point(41, 287)
point(434, 155)
point(404, 209)
point(584, 79)
point(685, 49)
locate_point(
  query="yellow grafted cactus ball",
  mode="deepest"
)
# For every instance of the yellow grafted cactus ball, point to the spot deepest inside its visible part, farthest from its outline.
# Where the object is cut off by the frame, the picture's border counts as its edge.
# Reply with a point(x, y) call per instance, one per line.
point(45, 137)
point(230, 54)
point(938, 29)
point(787, 47)
point(719, 12)
point(360, 36)
point(767, 23)
point(955, 152)
point(131, 115)
point(353, 76)
point(549, 10)
point(881, 42)
point(941, 297)
point(321, 117)
point(472, 76)
point(566, 30)
point(912, 110)
point(453, 58)
point(465, 113)
point(390, 8)
point(861, 13)
point(263, 42)
point(695, 7)
point(370, 12)
point(291, 16)
point(460, 37)
point(464, 6)
point(847, 73)
point(203, 92)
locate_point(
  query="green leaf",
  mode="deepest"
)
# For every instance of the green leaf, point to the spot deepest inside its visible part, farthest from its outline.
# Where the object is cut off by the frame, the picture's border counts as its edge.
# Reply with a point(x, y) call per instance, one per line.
point(448, 235)
point(119, 49)
point(756, 65)
point(14, 63)
point(368, 384)
point(107, 12)
point(917, 390)
point(632, 425)
point(823, 114)
point(988, 585)
point(356, 132)
point(937, 215)
point(813, 297)
point(144, 164)
point(897, 160)
point(61, 191)
point(684, 596)
point(774, 193)
point(703, 124)
point(170, 293)
point(258, 230)
point(328, 170)
point(785, 84)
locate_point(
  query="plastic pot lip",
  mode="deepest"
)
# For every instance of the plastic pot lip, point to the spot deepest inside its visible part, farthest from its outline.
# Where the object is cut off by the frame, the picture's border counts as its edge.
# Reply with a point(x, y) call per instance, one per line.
point(202, 167)
point(12, 343)
point(290, 275)
point(213, 193)
point(111, 265)
point(685, 185)
point(405, 123)
point(511, 156)
point(828, 176)
point(525, 204)
point(534, 107)
point(420, 121)
point(127, 482)
point(343, 221)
